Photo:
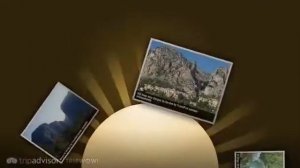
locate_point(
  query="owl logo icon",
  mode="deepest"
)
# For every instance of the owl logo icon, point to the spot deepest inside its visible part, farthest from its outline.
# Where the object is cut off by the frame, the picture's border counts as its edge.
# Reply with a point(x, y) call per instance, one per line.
point(11, 160)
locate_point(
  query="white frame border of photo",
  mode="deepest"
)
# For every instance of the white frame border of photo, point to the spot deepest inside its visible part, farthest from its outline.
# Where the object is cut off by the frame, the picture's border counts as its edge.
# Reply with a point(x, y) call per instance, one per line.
point(189, 50)
point(275, 151)
point(78, 137)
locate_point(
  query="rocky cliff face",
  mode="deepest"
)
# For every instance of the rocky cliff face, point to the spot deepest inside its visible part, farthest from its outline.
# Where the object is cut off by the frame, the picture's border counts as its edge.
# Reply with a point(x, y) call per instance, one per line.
point(167, 67)
point(216, 83)
point(56, 136)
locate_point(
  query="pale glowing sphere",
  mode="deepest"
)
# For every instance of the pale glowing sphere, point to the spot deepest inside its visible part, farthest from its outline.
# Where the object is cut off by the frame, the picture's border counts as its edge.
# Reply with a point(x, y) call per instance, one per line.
point(143, 136)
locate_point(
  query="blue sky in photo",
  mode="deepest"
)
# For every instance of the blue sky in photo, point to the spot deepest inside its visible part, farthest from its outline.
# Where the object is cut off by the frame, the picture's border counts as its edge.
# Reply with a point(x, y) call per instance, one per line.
point(204, 63)
point(49, 111)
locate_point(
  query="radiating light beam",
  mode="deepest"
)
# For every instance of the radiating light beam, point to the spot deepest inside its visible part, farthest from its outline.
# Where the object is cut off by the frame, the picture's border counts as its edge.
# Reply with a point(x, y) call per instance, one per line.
point(226, 165)
point(84, 139)
point(96, 91)
point(241, 141)
point(119, 80)
point(95, 123)
point(229, 119)
point(139, 59)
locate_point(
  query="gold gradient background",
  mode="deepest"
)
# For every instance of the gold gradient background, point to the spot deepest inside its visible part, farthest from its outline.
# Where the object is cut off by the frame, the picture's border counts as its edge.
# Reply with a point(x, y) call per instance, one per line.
point(80, 43)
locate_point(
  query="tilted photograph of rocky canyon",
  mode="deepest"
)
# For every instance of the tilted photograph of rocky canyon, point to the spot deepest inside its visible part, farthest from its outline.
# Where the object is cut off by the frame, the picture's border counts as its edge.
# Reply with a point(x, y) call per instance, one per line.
point(183, 80)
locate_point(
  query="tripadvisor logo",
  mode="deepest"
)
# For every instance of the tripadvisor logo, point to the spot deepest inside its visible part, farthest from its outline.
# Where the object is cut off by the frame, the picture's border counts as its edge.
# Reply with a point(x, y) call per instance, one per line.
point(11, 160)
point(27, 161)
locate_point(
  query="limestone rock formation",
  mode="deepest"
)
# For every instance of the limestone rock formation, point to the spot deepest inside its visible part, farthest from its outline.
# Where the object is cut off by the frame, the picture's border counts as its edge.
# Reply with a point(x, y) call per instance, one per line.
point(166, 71)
